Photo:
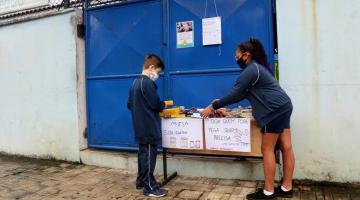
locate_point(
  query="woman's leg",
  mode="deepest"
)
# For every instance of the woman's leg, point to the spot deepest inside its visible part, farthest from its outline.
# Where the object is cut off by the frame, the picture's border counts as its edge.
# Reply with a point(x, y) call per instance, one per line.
point(268, 147)
point(288, 158)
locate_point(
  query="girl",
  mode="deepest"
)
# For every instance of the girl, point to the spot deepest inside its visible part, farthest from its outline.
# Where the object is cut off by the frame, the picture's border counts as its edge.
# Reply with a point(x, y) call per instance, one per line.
point(272, 110)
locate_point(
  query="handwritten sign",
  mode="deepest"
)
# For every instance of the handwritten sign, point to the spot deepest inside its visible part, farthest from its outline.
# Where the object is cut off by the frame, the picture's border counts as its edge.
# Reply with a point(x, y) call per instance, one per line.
point(211, 31)
point(182, 133)
point(228, 134)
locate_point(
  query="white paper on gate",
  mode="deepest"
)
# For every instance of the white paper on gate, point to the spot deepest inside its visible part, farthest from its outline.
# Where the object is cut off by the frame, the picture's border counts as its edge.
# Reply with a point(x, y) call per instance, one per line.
point(228, 134)
point(211, 31)
point(182, 133)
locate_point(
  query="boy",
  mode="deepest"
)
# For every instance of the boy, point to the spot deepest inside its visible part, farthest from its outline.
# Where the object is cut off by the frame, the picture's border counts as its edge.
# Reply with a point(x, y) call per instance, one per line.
point(145, 105)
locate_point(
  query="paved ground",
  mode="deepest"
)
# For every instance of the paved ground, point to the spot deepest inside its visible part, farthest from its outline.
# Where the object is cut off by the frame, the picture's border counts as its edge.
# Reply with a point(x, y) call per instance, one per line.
point(23, 178)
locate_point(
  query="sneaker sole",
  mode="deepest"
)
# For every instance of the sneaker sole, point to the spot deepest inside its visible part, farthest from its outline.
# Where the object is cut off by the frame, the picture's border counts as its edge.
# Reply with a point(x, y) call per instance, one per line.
point(275, 198)
point(284, 196)
point(153, 195)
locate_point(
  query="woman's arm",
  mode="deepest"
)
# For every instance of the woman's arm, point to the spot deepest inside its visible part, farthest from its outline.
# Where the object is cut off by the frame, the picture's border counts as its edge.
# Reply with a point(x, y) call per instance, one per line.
point(237, 93)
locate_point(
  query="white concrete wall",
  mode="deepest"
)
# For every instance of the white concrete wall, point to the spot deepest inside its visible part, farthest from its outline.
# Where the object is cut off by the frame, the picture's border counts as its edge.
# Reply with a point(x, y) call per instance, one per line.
point(38, 84)
point(320, 69)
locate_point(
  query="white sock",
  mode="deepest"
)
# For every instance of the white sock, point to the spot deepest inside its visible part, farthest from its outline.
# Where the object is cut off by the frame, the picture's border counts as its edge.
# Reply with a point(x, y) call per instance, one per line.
point(267, 193)
point(284, 189)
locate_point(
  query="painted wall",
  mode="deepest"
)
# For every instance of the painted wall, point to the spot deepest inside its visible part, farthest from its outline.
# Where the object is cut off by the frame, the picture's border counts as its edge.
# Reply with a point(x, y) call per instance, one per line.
point(320, 69)
point(38, 82)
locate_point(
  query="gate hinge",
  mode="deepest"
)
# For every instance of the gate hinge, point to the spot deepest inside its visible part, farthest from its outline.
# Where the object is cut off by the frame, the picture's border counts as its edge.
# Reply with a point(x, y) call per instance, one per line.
point(85, 133)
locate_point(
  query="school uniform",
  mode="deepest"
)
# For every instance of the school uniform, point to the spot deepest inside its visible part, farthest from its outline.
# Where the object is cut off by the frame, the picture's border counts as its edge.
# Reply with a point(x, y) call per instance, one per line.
point(271, 106)
point(145, 105)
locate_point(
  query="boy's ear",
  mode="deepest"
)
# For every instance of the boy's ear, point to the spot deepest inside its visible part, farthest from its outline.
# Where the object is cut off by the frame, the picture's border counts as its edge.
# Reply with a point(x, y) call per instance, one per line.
point(151, 67)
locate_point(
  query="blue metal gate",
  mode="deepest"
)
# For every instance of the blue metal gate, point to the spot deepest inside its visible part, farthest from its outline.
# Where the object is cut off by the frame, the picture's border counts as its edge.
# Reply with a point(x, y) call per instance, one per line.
point(120, 35)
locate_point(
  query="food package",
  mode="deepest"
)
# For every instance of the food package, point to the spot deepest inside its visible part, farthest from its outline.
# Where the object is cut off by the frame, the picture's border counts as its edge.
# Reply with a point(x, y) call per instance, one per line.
point(175, 112)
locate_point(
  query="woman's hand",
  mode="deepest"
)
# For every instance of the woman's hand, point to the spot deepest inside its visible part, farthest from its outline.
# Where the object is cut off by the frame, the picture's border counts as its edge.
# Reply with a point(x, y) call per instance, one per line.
point(207, 111)
point(215, 100)
point(221, 112)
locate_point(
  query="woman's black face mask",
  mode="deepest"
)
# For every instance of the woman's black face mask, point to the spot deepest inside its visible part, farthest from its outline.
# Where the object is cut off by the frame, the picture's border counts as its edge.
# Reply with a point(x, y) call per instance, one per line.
point(241, 62)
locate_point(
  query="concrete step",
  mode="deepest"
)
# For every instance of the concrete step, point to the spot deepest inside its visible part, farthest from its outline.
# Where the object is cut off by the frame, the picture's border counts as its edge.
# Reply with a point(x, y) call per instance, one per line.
point(186, 165)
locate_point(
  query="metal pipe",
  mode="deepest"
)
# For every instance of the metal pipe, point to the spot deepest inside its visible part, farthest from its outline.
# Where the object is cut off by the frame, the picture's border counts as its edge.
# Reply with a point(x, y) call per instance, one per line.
point(66, 3)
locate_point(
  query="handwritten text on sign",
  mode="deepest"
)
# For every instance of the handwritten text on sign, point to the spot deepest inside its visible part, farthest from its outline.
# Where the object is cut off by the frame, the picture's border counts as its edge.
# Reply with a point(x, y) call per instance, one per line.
point(182, 133)
point(228, 134)
point(211, 30)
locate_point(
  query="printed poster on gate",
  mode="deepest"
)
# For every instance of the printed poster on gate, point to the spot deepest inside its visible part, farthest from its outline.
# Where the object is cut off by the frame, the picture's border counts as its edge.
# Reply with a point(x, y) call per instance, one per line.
point(185, 34)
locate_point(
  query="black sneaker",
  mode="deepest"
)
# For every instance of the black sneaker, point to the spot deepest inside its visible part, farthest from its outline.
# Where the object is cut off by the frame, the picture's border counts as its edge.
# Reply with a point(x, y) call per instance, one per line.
point(139, 187)
point(282, 194)
point(156, 193)
point(259, 195)
point(163, 190)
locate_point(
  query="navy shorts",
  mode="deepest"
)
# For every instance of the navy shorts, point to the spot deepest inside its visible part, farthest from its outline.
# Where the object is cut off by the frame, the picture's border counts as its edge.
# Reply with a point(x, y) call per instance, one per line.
point(278, 124)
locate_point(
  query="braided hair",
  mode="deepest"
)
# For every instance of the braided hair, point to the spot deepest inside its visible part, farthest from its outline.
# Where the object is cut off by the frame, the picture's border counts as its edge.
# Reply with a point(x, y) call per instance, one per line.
point(256, 49)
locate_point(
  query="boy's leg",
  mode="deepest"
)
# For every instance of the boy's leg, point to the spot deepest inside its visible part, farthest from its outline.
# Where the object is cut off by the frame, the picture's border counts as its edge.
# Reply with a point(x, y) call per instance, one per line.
point(141, 170)
point(153, 156)
point(148, 161)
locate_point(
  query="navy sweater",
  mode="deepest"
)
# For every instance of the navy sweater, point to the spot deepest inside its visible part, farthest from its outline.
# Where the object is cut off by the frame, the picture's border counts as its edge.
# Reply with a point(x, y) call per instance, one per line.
point(145, 105)
point(266, 97)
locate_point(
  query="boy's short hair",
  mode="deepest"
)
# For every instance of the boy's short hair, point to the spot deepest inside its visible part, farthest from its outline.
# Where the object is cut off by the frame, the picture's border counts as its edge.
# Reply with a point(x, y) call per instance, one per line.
point(152, 59)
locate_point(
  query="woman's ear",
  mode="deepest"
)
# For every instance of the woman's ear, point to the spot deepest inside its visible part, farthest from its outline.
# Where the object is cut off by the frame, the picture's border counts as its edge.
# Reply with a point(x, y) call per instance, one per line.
point(248, 56)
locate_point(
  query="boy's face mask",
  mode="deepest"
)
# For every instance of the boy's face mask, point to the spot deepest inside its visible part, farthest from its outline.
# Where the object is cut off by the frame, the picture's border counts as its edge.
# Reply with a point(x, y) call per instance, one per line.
point(154, 75)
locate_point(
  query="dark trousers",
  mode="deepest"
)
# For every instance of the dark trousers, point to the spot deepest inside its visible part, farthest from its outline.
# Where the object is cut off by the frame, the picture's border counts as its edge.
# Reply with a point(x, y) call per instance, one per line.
point(146, 166)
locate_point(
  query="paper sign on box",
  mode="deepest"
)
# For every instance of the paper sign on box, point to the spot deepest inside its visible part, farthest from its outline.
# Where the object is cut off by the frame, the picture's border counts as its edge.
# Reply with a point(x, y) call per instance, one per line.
point(228, 134)
point(182, 133)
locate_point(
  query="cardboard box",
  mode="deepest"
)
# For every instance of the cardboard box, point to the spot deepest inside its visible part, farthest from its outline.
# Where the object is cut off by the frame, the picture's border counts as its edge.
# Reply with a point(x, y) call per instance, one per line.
point(194, 130)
